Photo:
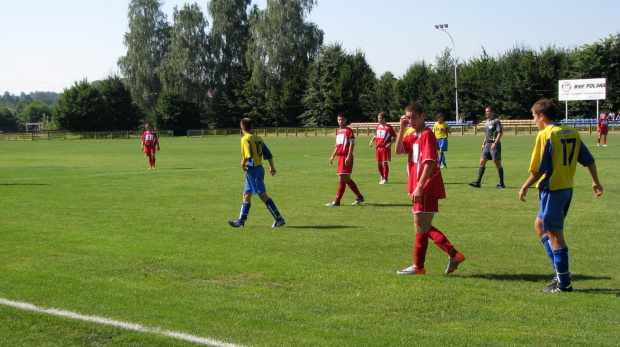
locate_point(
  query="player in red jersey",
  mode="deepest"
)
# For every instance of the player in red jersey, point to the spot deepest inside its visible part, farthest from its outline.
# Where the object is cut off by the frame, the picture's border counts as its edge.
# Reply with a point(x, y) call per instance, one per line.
point(425, 187)
point(384, 133)
point(345, 142)
point(603, 128)
point(150, 144)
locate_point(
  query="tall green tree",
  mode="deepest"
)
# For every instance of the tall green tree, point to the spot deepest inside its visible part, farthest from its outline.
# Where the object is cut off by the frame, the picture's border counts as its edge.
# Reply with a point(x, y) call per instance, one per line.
point(176, 114)
point(282, 46)
point(339, 82)
point(34, 112)
point(80, 108)
point(186, 67)
point(385, 99)
point(8, 122)
point(120, 111)
point(229, 37)
point(147, 44)
point(598, 60)
point(415, 85)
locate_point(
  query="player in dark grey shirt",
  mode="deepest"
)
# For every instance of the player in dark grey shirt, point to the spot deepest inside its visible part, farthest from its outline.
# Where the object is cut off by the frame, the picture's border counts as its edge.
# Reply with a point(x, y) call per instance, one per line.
point(491, 148)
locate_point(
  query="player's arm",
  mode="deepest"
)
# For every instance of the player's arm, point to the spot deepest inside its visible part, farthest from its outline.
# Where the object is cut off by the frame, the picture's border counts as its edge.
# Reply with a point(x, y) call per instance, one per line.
point(596, 185)
point(401, 135)
point(347, 160)
point(331, 159)
point(534, 177)
point(244, 164)
point(388, 144)
point(272, 167)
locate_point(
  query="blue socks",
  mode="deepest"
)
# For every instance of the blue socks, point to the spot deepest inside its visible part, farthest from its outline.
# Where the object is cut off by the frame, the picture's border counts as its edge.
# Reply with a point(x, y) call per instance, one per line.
point(560, 261)
point(547, 244)
point(245, 210)
point(271, 206)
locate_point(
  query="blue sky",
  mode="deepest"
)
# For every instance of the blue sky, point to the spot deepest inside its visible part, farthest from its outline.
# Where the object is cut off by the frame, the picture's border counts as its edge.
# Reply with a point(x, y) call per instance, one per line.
point(48, 45)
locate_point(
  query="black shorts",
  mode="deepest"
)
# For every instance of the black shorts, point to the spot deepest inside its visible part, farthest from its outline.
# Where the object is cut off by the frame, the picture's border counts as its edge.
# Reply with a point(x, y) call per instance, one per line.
point(489, 154)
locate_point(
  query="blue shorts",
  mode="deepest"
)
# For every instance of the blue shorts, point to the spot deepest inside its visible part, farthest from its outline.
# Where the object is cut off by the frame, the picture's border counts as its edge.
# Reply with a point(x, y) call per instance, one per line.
point(554, 207)
point(442, 144)
point(255, 180)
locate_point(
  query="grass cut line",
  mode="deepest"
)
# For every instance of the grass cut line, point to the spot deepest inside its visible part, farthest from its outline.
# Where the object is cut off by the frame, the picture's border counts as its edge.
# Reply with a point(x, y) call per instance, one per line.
point(111, 322)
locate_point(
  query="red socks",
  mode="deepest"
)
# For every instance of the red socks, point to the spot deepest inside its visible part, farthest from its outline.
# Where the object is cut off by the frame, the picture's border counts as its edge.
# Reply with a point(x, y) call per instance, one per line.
point(341, 187)
point(441, 241)
point(353, 187)
point(419, 251)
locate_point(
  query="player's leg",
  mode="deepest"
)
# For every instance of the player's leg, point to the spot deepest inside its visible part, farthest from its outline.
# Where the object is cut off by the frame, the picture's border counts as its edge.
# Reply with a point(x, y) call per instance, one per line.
point(271, 206)
point(560, 260)
point(380, 167)
point(481, 169)
point(386, 172)
point(554, 206)
point(544, 238)
point(421, 224)
point(500, 173)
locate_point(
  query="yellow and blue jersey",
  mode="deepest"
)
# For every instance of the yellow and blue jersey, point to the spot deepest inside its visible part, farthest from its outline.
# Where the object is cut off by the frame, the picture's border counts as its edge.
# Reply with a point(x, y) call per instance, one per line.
point(254, 149)
point(557, 151)
point(441, 130)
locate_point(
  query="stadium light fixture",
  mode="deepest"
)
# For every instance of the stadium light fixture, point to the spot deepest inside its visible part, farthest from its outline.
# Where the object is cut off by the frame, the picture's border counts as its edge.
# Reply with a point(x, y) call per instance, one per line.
point(444, 28)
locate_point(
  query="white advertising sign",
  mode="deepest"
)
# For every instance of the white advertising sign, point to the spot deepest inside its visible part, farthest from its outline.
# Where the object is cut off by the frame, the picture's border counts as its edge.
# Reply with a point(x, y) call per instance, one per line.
point(587, 89)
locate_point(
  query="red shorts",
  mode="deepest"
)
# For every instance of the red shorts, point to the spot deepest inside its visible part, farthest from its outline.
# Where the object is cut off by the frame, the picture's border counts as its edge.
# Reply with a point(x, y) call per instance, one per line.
point(149, 151)
point(342, 167)
point(429, 204)
point(384, 155)
point(603, 131)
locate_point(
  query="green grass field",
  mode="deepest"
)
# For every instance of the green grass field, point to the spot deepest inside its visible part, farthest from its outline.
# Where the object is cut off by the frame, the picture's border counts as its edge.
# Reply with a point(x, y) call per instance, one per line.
point(86, 228)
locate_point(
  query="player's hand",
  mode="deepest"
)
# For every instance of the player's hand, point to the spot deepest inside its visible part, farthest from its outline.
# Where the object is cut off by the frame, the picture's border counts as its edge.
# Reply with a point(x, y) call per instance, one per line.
point(331, 160)
point(598, 189)
point(347, 160)
point(404, 121)
point(523, 193)
point(272, 171)
point(417, 195)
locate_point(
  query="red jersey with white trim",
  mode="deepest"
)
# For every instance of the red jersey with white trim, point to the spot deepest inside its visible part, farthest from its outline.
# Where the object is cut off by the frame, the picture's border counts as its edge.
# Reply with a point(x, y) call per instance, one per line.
point(149, 138)
point(384, 135)
point(422, 147)
point(344, 138)
point(603, 123)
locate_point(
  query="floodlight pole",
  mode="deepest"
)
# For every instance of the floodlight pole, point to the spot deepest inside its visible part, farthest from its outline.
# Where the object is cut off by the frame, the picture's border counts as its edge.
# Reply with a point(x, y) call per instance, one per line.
point(444, 28)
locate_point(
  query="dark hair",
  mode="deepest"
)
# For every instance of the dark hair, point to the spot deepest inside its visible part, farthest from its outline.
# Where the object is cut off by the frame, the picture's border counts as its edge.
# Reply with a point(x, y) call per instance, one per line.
point(415, 107)
point(440, 115)
point(246, 124)
point(382, 114)
point(546, 107)
point(492, 108)
point(342, 115)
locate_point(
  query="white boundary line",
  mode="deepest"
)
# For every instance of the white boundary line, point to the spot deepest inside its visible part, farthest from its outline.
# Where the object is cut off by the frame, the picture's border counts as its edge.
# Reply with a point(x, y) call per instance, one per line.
point(111, 322)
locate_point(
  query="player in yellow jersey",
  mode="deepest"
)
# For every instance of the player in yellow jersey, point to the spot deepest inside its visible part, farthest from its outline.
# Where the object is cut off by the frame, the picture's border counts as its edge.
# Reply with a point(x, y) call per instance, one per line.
point(557, 151)
point(441, 130)
point(253, 151)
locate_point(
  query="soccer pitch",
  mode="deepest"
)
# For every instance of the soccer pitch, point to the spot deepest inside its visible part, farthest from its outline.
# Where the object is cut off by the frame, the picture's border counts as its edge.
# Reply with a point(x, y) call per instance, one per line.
point(86, 228)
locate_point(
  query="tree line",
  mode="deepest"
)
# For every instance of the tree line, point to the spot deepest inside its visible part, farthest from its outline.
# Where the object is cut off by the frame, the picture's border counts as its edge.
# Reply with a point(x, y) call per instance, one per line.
point(209, 71)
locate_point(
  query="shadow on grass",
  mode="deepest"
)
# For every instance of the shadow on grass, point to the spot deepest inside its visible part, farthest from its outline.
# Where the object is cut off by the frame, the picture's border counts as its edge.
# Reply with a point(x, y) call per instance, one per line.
point(606, 291)
point(533, 277)
point(320, 227)
point(388, 205)
point(544, 278)
point(24, 184)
